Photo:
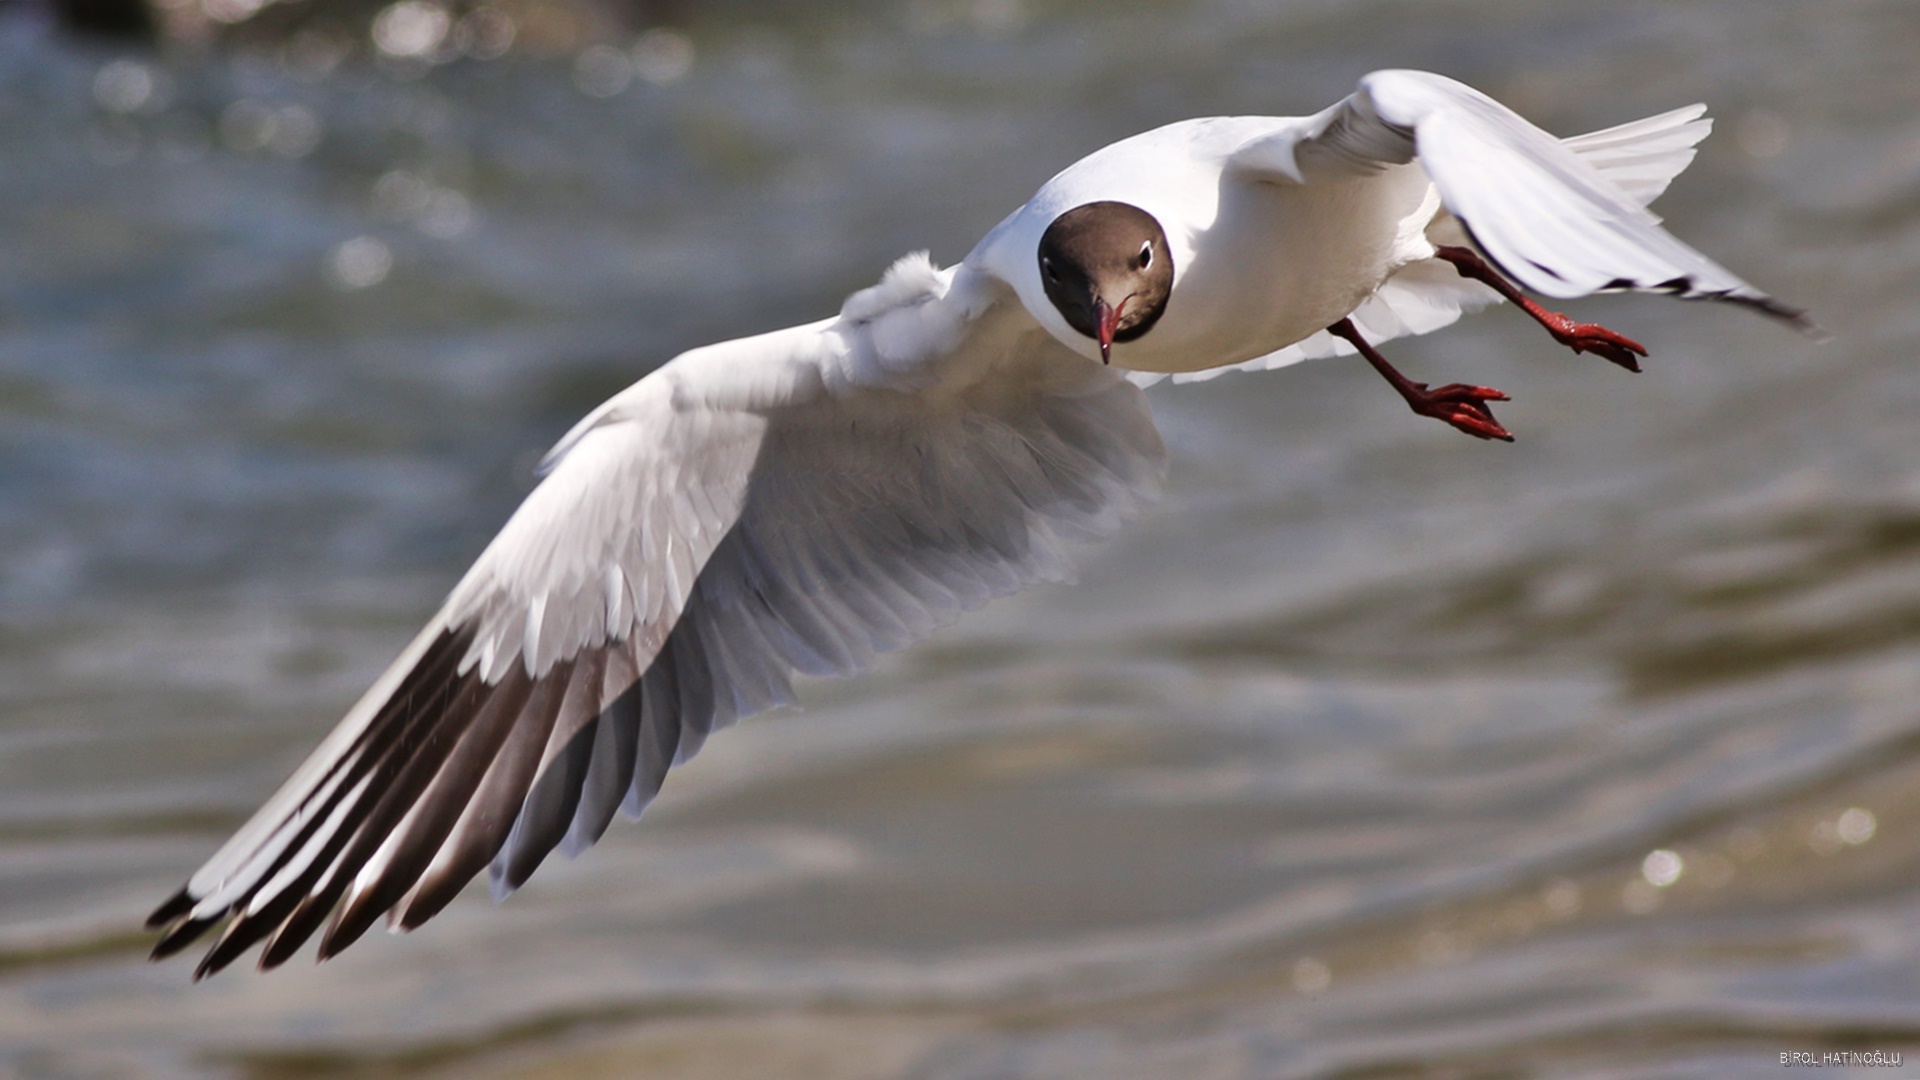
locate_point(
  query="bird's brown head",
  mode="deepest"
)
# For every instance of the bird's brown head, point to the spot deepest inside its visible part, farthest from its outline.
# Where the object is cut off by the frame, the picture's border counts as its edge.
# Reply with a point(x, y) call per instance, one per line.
point(1106, 267)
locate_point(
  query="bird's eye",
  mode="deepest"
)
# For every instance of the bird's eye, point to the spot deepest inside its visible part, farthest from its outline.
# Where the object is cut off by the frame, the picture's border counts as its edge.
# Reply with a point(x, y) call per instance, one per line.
point(1146, 255)
point(1046, 265)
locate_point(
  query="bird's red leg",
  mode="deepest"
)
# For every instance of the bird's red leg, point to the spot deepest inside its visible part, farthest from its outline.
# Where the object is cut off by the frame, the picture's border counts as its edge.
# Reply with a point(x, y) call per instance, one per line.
point(1578, 336)
point(1463, 406)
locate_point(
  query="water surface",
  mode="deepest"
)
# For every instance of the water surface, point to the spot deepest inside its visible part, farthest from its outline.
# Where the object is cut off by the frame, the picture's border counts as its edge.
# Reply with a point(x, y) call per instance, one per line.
point(1360, 756)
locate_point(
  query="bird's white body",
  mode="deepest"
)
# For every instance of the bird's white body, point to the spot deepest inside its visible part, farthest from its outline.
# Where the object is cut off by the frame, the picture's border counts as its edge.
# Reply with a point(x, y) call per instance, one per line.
point(798, 501)
point(1259, 262)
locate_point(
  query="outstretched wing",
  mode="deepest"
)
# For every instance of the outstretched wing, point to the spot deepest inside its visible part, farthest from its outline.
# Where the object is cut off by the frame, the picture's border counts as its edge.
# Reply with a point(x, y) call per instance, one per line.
point(794, 502)
point(1544, 210)
point(1640, 158)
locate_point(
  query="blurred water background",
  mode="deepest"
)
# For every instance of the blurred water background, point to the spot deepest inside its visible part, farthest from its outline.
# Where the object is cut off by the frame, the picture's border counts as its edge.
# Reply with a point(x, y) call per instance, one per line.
point(1374, 751)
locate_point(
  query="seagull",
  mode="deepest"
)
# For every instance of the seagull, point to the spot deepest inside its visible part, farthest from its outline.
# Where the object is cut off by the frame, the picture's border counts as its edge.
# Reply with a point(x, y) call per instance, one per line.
point(802, 500)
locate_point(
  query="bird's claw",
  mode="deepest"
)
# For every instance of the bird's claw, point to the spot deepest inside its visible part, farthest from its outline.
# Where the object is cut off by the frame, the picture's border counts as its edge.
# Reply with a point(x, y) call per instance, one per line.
point(1462, 406)
point(1590, 337)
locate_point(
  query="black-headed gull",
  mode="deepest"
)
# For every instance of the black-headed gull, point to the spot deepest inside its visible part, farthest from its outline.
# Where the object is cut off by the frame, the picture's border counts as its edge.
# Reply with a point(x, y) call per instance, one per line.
point(804, 499)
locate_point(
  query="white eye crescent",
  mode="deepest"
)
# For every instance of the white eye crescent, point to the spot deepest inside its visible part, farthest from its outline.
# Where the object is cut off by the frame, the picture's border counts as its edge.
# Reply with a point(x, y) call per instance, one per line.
point(1146, 255)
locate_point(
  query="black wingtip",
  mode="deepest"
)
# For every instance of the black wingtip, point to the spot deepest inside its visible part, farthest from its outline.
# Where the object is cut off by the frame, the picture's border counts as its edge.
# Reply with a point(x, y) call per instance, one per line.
point(1754, 301)
point(293, 933)
point(241, 934)
point(1803, 323)
point(246, 930)
point(177, 905)
point(1786, 313)
point(180, 937)
point(273, 956)
point(430, 898)
point(206, 967)
point(349, 923)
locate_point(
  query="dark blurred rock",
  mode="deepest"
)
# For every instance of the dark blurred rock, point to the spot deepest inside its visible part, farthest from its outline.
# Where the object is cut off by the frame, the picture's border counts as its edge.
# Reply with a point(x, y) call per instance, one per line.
point(119, 20)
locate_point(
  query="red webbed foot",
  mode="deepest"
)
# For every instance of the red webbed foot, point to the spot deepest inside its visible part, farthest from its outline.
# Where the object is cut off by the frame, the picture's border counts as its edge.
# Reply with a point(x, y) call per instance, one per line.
point(1464, 407)
point(1592, 338)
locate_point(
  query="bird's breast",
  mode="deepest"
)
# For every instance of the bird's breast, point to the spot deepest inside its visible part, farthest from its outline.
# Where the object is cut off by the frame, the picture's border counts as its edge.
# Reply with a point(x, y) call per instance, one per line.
point(1279, 263)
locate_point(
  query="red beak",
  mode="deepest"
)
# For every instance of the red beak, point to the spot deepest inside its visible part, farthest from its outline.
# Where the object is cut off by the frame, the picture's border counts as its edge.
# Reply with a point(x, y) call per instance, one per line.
point(1109, 320)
